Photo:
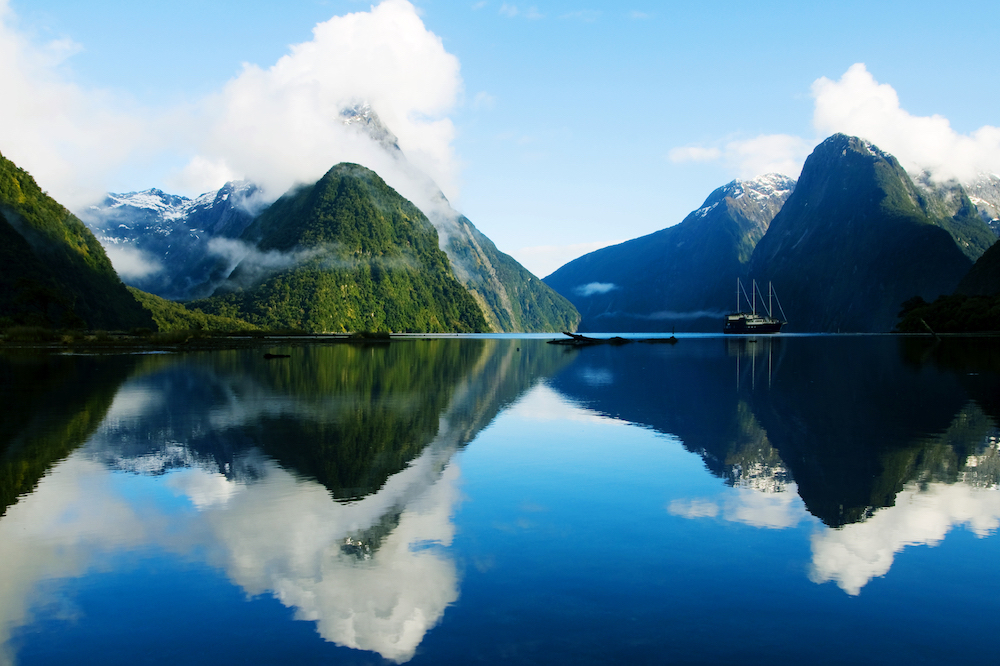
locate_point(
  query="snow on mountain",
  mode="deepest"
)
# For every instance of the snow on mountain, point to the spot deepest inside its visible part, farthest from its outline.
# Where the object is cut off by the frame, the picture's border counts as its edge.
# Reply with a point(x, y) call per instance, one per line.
point(159, 242)
point(760, 196)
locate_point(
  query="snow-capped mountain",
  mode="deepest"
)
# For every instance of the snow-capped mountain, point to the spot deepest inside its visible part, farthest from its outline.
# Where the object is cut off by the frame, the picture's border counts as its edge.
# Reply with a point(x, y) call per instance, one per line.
point(174, 247)
point(680, 277)
point(160, 242)
point(984, 192)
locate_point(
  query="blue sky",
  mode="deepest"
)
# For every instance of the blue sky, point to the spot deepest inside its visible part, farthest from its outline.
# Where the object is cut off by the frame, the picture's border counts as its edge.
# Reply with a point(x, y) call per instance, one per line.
point(556, 127)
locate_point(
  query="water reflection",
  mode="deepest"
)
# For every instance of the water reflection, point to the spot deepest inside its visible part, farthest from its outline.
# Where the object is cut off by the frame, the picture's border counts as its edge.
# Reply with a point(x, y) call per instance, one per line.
point(330, 481)
point(889, 442)
point(327, 481)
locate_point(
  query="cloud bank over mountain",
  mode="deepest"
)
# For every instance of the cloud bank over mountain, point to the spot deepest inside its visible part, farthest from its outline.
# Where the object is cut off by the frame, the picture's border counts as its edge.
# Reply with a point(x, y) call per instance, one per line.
point(278, 125)
point(858, 105)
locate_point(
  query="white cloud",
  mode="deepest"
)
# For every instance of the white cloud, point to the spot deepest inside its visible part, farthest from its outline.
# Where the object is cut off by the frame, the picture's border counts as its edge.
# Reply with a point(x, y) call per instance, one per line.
point(750, 506)
point(68, 138)
point(693, 508)
point(131, 262)
point(749, 158)
point(276, 125)
point(513, 11)
point(859, 105)
point(281, 125)
point(483, 100)
point(595, 288)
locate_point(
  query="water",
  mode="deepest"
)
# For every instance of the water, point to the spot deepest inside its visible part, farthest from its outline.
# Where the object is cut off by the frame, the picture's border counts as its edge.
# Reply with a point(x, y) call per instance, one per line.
point(807, 499)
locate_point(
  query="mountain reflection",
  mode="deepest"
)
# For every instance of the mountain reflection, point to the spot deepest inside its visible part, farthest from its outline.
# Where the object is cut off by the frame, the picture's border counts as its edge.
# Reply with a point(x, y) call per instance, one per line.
point(326, 480)
point(889, 441)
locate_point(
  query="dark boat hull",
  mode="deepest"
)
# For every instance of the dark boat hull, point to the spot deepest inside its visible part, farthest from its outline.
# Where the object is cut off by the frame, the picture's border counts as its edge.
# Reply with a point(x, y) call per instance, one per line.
point(748, 324)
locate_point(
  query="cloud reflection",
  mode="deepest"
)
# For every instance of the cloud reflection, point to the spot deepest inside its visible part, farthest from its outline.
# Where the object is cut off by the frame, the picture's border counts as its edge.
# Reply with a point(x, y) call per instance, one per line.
point(854, 554)
point(750, 506)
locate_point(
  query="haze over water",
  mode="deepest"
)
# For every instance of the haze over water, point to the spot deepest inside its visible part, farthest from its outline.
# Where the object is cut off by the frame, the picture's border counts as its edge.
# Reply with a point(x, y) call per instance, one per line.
point(813, 499)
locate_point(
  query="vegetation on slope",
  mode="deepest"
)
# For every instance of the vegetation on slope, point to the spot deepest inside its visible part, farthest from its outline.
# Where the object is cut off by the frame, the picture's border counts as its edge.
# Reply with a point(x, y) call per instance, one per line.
point(512, 299)
point(170, 316)
point(55, 273)
point(346, 254)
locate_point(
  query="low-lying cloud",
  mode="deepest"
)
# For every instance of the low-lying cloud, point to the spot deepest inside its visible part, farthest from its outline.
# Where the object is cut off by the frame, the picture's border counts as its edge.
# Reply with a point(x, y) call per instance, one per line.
point(595, 288)
point(132, 263)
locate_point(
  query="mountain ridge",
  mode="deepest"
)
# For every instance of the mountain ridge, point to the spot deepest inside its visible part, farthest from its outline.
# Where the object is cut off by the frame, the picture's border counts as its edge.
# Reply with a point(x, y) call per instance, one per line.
point(658, 282)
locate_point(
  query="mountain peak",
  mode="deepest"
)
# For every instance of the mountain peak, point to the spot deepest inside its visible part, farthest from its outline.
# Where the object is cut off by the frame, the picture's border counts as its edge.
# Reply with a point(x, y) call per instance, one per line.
point(362, 117)
point(764, 192)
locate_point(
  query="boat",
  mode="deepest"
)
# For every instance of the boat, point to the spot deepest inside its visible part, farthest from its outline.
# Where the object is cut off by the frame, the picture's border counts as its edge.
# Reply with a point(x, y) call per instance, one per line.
point(752, 322)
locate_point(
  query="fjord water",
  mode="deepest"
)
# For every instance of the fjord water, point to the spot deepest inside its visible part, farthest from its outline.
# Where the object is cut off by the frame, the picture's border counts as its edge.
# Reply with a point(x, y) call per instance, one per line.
point(807, 499)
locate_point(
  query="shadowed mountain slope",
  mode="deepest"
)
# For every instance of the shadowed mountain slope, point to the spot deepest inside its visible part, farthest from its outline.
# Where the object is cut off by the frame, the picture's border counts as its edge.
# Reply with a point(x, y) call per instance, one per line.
point(681, 277)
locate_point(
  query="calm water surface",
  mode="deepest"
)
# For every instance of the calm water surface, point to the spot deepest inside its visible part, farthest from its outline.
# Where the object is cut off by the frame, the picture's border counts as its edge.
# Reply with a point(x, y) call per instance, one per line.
point(796, 499)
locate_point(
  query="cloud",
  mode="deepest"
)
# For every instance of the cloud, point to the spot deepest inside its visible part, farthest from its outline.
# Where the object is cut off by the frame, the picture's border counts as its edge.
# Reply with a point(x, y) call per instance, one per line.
point(131, 263)
point(67, 137)
point(513, 11)
point(695, 508)
point(275, 125)
point(749, 158)
point(282, 125)
point(770, 510)
point(595, 288)
point(853, 555)
point(859, 105)
point(637, 15)
point(483, 100)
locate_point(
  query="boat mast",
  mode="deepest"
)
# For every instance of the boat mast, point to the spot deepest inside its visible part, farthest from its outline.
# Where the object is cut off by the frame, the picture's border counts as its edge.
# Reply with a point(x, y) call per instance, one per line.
point(753, 294)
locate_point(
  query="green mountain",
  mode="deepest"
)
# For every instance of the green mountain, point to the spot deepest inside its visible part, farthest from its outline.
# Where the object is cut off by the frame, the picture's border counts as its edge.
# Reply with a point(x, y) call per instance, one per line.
point(511, 298)
point(172, 316)
point(347, 253)
point(681, 277)
point(856, 239)
point(55, 273)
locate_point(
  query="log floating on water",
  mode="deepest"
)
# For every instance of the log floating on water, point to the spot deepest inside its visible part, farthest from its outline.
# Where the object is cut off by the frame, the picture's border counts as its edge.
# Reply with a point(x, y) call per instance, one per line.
point(577, 340)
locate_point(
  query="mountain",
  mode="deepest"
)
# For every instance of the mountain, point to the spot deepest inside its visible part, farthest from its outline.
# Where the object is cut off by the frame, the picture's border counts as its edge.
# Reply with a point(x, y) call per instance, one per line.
point(347, 253)
point(983, 279)
point(511, 298)
point(985, 194)
point(179, 249)
point(680, 277)
point(163, 243)
point(857, 238)
point(55, 273)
